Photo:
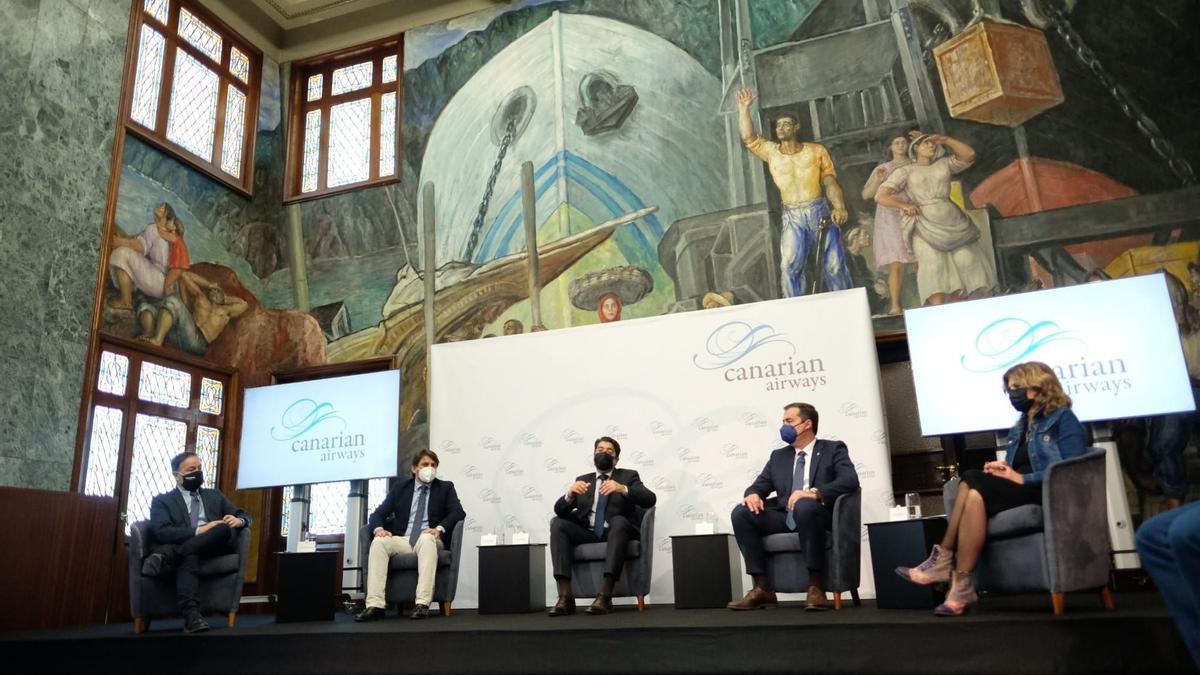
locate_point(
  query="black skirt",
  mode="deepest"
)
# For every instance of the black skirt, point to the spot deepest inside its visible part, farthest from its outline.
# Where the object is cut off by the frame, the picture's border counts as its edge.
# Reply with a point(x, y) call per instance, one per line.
point(1000, 494)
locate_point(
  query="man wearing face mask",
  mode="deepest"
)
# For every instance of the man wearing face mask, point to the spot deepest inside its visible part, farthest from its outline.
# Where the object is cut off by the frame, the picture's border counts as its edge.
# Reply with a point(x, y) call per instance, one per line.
point(807, 476)
point(599, 506)
point(421, 509)
point(187, 525)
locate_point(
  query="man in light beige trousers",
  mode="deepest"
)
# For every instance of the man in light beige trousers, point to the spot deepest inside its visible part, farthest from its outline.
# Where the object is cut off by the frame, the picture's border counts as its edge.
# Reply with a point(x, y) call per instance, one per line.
point(413, 518)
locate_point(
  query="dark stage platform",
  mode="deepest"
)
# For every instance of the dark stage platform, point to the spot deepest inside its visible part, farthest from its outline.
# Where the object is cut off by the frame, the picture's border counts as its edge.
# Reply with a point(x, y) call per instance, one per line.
point(1006, 635)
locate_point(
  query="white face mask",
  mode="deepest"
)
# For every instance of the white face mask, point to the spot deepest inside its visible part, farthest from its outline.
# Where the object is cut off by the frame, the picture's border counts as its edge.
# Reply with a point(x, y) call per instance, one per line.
point(427, 474)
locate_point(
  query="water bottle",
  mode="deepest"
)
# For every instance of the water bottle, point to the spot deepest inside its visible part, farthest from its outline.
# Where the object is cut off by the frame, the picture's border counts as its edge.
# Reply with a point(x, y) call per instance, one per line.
point(912, 501)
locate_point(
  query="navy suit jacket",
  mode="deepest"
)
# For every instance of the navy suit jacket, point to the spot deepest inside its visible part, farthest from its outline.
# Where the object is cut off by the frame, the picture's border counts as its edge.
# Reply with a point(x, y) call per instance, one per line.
point(171, 523)
point(828, 466)
point(618, 504)
point(442, 507)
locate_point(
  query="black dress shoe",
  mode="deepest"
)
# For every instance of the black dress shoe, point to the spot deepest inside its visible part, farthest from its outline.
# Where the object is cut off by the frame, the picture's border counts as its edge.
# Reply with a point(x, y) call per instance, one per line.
point(195, 624)
point(420, 612)
point(601, 605)
point(370, 614)
point(564, 606)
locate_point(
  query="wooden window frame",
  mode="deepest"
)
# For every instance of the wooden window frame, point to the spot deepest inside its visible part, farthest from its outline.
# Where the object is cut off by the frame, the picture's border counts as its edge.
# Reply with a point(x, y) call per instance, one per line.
point(157, 137)
point(130, 405)
point(299, 107)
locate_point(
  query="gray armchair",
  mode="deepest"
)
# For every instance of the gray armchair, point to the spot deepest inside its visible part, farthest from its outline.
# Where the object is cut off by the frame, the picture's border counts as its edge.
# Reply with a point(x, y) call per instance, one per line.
point(786, 567)
point(221, 580)
point(402, 571)
point(587, 572)
point(1060, 545)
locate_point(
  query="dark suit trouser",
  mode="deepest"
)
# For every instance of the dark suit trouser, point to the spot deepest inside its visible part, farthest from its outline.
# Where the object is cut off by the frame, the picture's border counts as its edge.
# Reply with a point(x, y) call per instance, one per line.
point(566, 534)
point(812, 520)
point(187, 557)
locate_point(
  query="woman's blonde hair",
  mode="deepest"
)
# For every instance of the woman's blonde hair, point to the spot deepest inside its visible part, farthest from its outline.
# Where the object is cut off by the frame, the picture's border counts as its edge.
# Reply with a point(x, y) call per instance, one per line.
point(1045, 390)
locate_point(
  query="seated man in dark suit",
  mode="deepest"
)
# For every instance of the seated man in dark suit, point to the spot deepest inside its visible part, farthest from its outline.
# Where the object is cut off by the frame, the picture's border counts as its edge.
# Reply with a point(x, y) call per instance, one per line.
point(612, 493)
point(188, 524)
point(809, 475)
point(421, 510)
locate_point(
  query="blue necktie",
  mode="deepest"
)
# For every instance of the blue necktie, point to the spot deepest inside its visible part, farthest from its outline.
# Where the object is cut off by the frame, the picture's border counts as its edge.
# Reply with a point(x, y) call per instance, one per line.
point(797, 483)
point(601, 505)
point(194, 509)
point(416, 527)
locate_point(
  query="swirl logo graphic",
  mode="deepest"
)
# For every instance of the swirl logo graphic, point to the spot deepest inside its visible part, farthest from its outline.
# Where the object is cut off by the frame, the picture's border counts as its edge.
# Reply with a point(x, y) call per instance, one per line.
point(732, 341)
point(302, 416)
point(1009, 340)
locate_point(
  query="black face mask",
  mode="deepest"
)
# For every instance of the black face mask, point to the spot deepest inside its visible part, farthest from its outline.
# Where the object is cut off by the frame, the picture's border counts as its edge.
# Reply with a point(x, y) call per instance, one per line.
point(193, 481)
point(603, 461)
point(1019, 398)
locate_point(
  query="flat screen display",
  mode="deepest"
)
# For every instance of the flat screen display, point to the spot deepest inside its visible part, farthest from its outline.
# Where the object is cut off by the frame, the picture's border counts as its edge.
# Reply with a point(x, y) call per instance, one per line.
point(319, 431)
point(1114, 346)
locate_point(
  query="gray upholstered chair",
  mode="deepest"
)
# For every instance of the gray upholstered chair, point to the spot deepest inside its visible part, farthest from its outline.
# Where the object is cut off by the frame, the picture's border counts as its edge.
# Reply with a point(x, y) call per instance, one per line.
point(1060, 545)
point(786, 567)
point(402, 572)
point(221, 580)
point(587, 572)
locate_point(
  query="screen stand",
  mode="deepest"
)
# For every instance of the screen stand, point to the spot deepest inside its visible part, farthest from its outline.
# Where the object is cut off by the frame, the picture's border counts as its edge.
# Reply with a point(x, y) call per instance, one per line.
point(353, 579)
point(1120, 523)
point(298, 517)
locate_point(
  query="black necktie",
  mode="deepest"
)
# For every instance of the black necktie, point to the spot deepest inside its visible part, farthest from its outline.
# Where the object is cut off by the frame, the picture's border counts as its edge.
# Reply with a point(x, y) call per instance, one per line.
point(797, 483)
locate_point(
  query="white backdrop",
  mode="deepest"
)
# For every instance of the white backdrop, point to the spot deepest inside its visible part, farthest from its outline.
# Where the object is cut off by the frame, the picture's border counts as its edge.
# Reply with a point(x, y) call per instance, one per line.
point(695, 400)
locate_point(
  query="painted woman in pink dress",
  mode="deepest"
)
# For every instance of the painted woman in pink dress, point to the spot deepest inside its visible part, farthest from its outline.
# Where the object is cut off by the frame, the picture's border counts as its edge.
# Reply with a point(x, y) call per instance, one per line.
point(891, 251)
point(140, 262)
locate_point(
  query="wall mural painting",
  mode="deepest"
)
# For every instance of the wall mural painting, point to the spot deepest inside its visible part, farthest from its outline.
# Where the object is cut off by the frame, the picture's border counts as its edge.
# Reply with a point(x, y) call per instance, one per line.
point(753, 150)
point(189, 259)
point(686, 154)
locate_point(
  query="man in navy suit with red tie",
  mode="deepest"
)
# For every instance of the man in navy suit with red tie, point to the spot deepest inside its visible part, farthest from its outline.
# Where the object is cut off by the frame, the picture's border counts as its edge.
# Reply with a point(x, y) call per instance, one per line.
point(422, 509)
point(807, 476)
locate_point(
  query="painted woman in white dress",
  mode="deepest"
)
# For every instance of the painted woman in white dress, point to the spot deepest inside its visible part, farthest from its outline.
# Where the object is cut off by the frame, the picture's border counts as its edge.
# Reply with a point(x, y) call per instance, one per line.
point(140, 262)
point(952, 264)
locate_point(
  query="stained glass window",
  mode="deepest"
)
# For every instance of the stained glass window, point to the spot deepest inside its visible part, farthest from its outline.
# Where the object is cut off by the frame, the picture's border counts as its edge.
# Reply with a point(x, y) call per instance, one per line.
point(193, 65)
point(239, 64)
point(104, 448)
point(349, 143)
point(193, 114)
point(352, 78)
point(155, 441)
point(389, 69)
point(350, 114)
point(211, 394)
point(316, 85)
point(160, 384)
point(285, 513)
point(149, 78)
point(158, 9)
point(312, 150)
point(199, 35)
point(235, 124)
point(387, 134)
point(114, 371)
point(208, 446)
point(327, 510)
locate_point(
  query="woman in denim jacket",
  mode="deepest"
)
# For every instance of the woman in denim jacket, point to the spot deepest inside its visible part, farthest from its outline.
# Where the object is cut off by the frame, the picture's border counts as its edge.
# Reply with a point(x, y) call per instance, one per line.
point(1046, 432)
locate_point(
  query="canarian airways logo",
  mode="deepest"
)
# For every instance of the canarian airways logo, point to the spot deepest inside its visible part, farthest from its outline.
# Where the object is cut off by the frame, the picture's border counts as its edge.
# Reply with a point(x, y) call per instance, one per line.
point(302, 421)
point(729, 345)
point(1008, 341)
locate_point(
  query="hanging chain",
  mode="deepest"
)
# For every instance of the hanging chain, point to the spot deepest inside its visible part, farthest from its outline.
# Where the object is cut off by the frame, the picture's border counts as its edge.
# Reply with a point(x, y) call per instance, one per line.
point(1178, 165)
point(477, 226)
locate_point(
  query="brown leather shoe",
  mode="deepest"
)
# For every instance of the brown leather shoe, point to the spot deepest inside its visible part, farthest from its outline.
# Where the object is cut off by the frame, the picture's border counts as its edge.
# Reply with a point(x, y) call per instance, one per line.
point(564, 606)
point(815, 602)
point(601, 605)
point(757, 598)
